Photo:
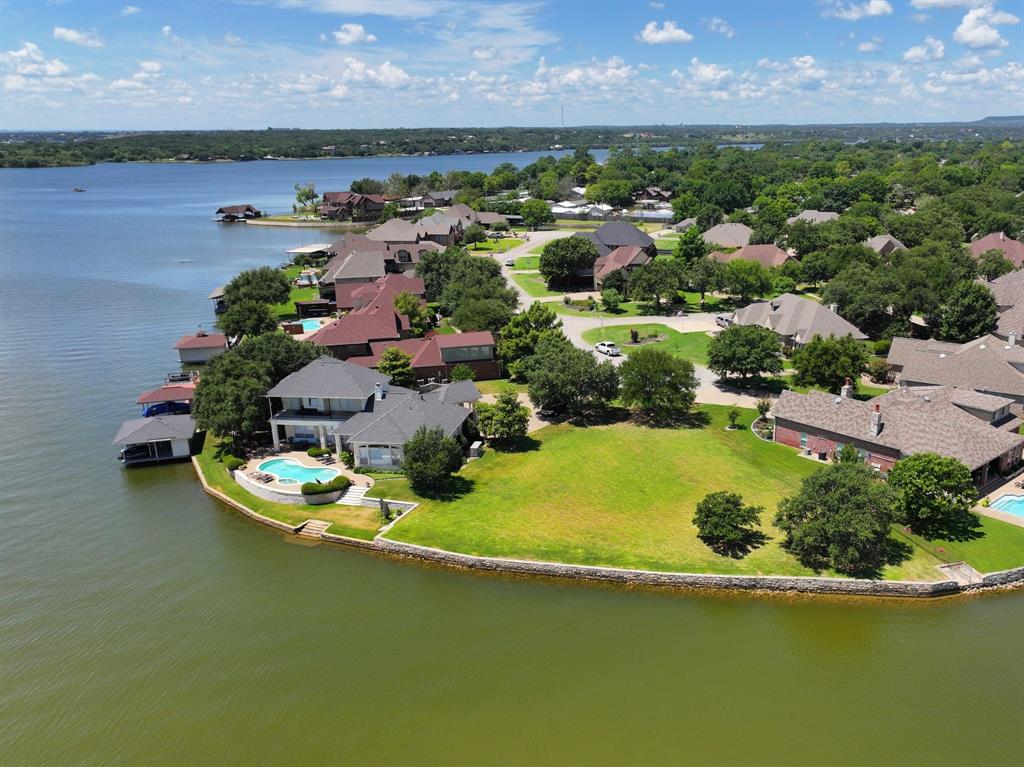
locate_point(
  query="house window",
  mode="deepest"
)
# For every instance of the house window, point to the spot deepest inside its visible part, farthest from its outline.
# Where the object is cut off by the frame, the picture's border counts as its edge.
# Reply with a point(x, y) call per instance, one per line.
point(314, 403)
point(404, 257)
point(378, 455)
point(803, 439)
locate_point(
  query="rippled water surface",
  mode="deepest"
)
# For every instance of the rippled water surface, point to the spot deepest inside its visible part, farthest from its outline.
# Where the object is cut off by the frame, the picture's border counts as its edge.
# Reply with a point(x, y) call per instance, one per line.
point(142, 623)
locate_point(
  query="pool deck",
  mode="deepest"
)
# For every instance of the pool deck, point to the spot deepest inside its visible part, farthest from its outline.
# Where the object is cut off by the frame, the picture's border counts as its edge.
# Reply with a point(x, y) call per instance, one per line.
point(1007, 488)
point(252, 467)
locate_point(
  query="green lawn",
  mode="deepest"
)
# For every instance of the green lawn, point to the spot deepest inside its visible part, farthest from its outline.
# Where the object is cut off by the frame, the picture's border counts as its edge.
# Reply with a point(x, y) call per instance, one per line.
point(495, 246)
point(493, 387)
point(286, 311)
point(536, 249)
point(666, 243)
point(528, 263)
point(1001, 548)
point(534, 285)
point(624, 496)
point(353, 521)
point(690, 346)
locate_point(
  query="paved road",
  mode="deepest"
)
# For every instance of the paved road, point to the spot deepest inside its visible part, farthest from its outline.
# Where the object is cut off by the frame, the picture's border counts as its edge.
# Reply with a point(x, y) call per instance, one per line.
point(708, 391)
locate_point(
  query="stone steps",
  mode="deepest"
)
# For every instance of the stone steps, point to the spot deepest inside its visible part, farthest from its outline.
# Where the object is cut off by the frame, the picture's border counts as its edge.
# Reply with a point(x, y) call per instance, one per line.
point(313, 528)
point(353, 496)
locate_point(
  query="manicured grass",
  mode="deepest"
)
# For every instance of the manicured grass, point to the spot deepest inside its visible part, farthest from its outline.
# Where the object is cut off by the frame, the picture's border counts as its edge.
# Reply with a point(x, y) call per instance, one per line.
point(1001, 548)
point(620, 496)
point(537, 250)
point(624, 496)
point(689, 346)
point(495, 246)
point(493, 387)
point(534, 285)
point(666, 243)
point(286, 311)
point(528, 263)
point(711, 303)
point(354, 521)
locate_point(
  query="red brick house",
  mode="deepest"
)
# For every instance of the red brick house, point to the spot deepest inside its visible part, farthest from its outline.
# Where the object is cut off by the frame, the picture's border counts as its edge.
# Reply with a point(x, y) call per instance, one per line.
point(434, 357)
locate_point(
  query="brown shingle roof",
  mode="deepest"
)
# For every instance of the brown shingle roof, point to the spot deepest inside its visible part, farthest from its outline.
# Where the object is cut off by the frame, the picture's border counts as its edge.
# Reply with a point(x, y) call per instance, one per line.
point(768, 256)
point(1012, 249)
point(986, 364)
point(796, 317)
point(202, 341)
point(728, 235)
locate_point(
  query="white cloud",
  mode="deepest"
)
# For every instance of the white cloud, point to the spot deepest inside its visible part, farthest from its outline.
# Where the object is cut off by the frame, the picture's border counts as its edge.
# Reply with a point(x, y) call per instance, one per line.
point(88, 38)
point(719, 25)
point(167, 30)
point(706, 74)
point(130, 10)
point(669, 32)
point(857, 11)
point(150, 67)
point(396, 9)
point(350, 34)
point(931, 50)
point(656, 5)
point(947, 3)
point(387, 74)
point(978, 27)
point(486, 53)
point(29, 60)
point(230, 38)
point(870, 46)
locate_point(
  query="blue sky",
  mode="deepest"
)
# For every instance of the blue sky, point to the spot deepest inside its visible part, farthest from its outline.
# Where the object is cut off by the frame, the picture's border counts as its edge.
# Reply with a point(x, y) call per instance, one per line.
point(388, 63)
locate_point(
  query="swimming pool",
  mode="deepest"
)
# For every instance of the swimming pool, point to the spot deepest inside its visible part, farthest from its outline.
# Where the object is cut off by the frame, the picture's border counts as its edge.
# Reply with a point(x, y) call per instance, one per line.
point(310, 325)
point(1010, 504)
point(290, 472)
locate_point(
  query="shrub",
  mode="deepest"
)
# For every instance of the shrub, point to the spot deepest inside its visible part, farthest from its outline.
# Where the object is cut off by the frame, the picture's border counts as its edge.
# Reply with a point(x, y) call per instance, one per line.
point(881, 347)
point(763, 406)
point(317, 452)
point(347, 460)
point(463, 372)
point(733, 415)
point(232, 462)
point(339, 483)
point(878, 370)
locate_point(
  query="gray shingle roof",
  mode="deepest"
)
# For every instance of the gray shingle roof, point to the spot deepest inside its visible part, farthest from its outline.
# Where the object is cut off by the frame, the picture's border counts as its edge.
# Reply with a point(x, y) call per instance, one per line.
point(332, 378)
point(913, 421)
point(614, 234)
point(456, 393)
point(884, 243)
point(986, 364)
point(160, 427)
point(796, 317)
point(397, 417)
point(813, 216)
point(728, 235)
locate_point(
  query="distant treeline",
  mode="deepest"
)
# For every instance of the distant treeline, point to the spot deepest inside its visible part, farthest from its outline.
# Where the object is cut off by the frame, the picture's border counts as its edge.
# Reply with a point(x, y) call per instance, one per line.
point(32, 150)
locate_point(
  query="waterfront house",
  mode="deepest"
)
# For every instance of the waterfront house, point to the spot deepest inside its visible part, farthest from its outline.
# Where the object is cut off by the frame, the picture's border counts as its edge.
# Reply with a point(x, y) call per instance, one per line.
point(796, 320)
point(884, 244)
point(357, 295)
point(988, 364)
point(170, 399)
point(1011, 249)
point(728, 235)
point(434, 357)
point(439, 199)
point(158, 439)
point(397, 230)
point(351, 335)
point(231, 213)
point(769, 256)
point(335, 403)
point(813, 217)
point(217, 296)
point(976, 429)
point(624, 258)
point(200, 347)
point(354, 206)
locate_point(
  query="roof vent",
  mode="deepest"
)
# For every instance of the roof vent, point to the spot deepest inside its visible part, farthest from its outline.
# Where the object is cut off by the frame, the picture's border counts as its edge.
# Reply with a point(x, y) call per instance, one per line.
point(927, 398)
point(837, 400)
point(981, 346)
point(942, 356)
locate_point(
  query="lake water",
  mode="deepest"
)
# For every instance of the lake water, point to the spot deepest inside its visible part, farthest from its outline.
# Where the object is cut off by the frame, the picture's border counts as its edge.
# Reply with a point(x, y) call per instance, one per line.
point(143, 623)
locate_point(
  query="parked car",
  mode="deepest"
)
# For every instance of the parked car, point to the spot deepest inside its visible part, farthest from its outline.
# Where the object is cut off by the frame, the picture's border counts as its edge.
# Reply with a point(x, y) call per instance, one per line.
point(608, 348)
point(723, 320)
point(510, 261)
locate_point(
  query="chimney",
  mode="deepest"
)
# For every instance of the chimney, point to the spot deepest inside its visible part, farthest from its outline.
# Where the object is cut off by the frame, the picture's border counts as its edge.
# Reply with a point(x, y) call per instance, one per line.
point(847, 390)
point(378, 392)
point(1011, 339)
point(200, 333)
point(1002, 236)
point(834, 308)
point(876, 421)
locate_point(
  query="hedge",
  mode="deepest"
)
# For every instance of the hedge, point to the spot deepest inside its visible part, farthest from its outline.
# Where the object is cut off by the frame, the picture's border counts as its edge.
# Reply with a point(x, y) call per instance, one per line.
point(316, 452)
point(340, 482)
point(232, 462)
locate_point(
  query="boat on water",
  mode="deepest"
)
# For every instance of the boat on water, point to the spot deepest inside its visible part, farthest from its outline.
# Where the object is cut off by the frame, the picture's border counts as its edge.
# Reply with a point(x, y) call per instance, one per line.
point(78, 189)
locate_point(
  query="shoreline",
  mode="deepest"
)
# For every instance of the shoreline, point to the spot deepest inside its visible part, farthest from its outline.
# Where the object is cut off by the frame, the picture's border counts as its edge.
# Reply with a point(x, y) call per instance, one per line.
point(1011, 579)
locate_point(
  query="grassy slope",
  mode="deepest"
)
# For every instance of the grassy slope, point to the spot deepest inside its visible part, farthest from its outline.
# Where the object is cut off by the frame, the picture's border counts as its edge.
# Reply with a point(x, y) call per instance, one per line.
point(690, 346)
point(354, 521)
point(557, 504)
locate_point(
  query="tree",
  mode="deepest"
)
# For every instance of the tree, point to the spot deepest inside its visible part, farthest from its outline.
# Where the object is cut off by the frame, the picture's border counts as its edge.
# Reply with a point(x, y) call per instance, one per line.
point(429, 458)
point(725, 524)
point(230, 397)
point(246, 319)
point(610, 299)
point(828, 362)
point(481, 314)
point(703, 274)
point(398, 365)
point(566, 380)
point(993, 263)
point(764, 406)
point(746, 279)
point(658, 384)
point(848, 454)
point(562, 259)
point(535, 213)
point(934, 494)
point(506, 420)
point(474, 234)
point(657, 280)
point(463, 372)
point(278, 354)
point(878, 370)
point(519, 337)
point(869, 299)
point(412, 307)
point(745, 350)
point(969, 312)
point(265, 285)
point(691, 246)
point(306, 196)
point(390, 211)
point(841, 518)
point(733, 415)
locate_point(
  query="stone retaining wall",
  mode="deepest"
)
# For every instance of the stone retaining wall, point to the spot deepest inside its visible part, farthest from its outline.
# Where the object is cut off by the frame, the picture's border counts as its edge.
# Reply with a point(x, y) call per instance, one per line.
point(267, 493)
point(241, 506)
